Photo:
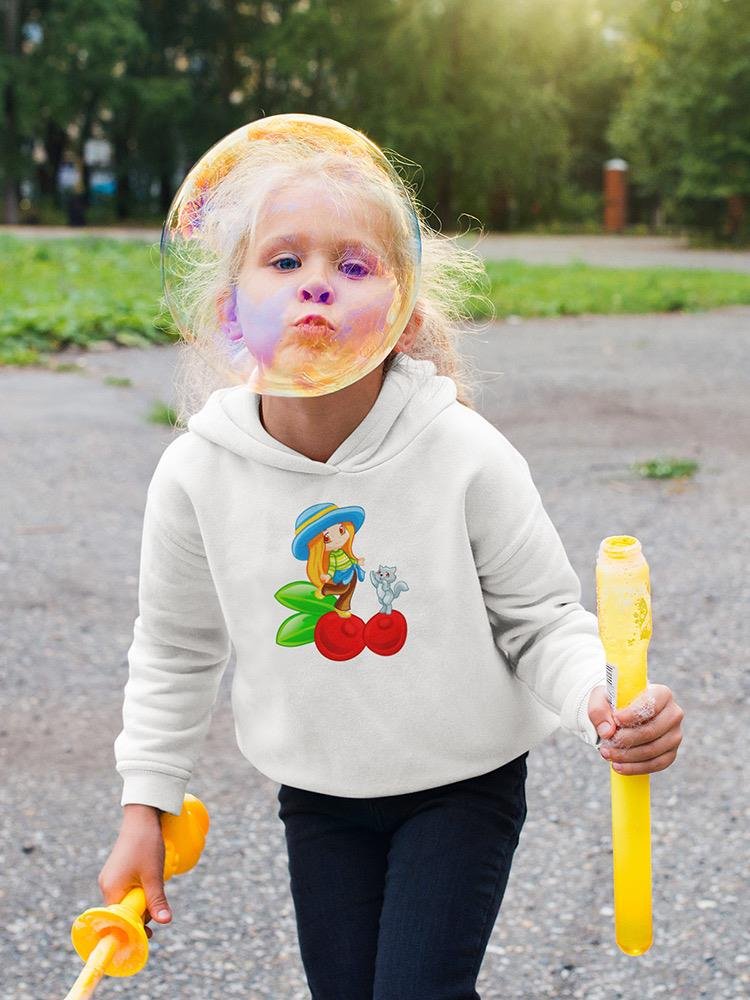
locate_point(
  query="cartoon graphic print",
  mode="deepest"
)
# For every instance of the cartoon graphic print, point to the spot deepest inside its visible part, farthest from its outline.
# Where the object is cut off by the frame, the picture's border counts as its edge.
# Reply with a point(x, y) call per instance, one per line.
point(387, 590)
point(323, 539)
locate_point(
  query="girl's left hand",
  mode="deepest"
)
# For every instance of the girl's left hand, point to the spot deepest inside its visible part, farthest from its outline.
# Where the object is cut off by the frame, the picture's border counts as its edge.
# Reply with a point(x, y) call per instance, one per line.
point(648, 730)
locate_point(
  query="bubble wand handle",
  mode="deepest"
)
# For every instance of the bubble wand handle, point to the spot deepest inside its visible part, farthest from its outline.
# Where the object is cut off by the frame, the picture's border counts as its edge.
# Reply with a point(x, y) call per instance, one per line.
point(623, 599)
point(112, 939)
point(95, 968)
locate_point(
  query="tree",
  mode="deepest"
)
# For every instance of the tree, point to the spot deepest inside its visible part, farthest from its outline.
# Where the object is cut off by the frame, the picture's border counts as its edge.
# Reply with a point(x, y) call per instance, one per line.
point(77, 66)
point(684, 124)
point(12, 79)
point(503, 106)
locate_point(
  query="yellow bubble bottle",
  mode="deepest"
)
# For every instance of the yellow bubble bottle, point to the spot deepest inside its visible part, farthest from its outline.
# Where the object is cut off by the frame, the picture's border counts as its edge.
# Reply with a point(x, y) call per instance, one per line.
point(623, 601)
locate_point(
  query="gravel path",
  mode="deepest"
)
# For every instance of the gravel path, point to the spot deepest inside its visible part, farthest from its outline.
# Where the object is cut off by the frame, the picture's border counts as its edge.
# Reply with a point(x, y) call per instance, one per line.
point(609, 251)
point(582, 398)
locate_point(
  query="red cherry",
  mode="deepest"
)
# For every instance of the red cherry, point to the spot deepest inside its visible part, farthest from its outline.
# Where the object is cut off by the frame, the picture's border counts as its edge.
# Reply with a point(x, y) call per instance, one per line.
point(339, 638)
point(385, 634)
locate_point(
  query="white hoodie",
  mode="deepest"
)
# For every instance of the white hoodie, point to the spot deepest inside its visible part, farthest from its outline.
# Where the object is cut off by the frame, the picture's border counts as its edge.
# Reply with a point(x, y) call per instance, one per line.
point(498, 651)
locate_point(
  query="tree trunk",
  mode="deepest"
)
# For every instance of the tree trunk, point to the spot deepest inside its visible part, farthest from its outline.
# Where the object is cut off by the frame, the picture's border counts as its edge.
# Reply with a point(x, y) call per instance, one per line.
point(10, 124)
point(165, 190)
point(122, 172)
point(499, 209)
point(657, 214)
point(54, 146)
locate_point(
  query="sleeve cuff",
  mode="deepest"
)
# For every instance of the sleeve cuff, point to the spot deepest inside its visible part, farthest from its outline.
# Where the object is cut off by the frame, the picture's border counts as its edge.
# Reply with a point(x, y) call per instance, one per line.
point(575, 716)
point(154, 788)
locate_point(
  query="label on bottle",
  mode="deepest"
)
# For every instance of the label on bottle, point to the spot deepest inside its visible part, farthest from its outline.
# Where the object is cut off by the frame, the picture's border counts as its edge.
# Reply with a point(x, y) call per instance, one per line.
point(612, 685)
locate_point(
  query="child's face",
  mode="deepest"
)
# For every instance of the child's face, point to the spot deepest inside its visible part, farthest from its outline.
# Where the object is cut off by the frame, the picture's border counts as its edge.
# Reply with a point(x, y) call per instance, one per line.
point(334, 537)
point(310, 258)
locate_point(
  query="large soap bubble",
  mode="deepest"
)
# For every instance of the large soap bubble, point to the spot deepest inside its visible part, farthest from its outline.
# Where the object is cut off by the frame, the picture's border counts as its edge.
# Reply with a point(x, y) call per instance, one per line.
point(291, 256)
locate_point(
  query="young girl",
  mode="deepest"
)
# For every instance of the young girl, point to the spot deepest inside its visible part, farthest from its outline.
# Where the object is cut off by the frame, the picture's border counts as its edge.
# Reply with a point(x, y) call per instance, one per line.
point(396, 708)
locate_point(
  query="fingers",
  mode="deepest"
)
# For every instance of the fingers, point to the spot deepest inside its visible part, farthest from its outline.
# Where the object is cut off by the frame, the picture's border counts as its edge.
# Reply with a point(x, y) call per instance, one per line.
point(649, 747)
point(156, 901)
point(666, 721)
point(113, 891)
point(600, 711)
point(649, 703)
point(643, 752)
point(656, 764)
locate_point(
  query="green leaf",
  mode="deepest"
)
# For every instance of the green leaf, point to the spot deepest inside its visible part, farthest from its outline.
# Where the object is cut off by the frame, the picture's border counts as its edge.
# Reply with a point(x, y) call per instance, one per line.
point(666, 468)
point(297, 630)
point(300, 596)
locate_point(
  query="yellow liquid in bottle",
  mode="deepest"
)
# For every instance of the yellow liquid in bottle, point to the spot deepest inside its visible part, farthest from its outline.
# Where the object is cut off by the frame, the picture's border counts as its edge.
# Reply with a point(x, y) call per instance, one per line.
point(623, 599)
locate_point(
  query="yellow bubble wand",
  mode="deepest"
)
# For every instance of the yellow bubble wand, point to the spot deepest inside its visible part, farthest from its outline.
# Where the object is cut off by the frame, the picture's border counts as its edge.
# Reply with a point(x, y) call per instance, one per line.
point(112, 940)
point(623, 600)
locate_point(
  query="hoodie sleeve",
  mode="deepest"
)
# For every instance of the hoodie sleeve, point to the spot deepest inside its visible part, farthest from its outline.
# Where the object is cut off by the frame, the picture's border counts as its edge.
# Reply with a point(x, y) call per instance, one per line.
point(179, 652)
point(531, 591)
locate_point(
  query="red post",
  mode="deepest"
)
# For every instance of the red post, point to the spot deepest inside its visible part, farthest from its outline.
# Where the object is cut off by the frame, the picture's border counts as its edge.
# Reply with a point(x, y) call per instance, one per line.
point(736, 205)
point(615, 195)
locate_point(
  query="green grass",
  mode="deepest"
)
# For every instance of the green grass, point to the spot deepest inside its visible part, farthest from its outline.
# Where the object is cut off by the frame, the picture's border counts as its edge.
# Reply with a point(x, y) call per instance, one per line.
point(666, 468)
point(67, 366)
point(56, 293)
point(162, 413)
point(519, 289)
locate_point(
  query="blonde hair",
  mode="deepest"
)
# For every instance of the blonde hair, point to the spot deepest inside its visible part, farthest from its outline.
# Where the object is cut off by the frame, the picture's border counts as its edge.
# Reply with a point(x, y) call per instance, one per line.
point(201, 271)
point(318, 558)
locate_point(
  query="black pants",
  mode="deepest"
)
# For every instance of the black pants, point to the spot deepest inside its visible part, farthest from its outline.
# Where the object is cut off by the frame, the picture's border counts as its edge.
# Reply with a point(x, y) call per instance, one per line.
point(396, 896)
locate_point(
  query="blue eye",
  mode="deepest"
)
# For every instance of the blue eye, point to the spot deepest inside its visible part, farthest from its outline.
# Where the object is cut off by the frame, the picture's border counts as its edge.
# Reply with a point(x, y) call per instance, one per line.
point(281, 260)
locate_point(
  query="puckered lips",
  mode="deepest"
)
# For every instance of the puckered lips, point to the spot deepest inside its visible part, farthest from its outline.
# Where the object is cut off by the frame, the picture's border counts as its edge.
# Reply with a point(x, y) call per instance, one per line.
point(315, 323)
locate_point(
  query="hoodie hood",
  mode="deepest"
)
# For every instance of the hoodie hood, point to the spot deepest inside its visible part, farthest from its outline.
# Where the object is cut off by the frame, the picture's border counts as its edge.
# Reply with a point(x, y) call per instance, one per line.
point(411, 396)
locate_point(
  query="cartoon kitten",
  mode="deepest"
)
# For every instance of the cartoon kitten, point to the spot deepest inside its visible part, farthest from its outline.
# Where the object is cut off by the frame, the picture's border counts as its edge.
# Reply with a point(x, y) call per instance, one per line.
point(387, 587)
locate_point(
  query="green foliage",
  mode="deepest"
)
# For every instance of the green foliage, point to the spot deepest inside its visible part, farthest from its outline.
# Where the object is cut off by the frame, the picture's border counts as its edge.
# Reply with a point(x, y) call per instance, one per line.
point(507, 104)
point(299, 629)
point(19, 356)
point(502, 112)
point(300, 596)
point(666, 468)
point(501, 105)
point(684, 122)
point(55, 293)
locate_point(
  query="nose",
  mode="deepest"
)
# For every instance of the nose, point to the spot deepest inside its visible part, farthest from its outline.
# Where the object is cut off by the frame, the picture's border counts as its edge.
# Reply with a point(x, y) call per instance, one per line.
point(318, 291)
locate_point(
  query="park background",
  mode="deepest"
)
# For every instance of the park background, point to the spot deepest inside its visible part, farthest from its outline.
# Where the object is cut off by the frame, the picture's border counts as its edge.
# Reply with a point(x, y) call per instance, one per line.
point(616, 357)
point(510, 107)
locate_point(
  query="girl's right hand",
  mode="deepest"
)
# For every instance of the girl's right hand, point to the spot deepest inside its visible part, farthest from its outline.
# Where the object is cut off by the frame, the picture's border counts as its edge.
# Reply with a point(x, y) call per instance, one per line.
point(138, 859)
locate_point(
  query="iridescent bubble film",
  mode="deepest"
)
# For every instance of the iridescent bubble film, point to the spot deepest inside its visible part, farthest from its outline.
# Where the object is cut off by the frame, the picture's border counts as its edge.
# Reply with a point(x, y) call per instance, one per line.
point(291, 255)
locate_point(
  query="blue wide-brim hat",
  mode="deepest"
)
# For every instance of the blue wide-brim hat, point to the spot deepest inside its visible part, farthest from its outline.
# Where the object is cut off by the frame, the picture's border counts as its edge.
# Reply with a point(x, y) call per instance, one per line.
point(317, 518)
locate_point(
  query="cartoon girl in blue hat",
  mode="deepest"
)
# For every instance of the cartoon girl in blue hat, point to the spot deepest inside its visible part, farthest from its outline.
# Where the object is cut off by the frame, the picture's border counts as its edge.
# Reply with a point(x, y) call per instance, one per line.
point(323, 536)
